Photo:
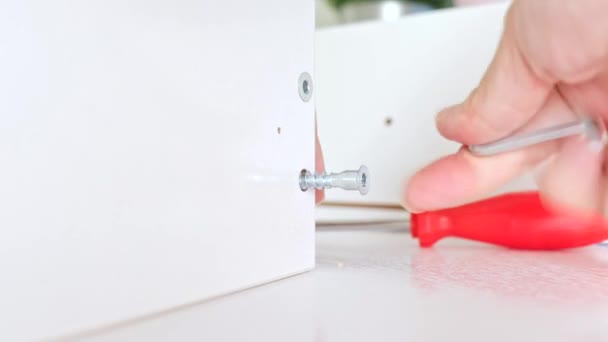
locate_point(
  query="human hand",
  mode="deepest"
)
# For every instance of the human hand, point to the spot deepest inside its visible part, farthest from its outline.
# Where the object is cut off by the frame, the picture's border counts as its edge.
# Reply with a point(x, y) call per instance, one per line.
point(550, 67)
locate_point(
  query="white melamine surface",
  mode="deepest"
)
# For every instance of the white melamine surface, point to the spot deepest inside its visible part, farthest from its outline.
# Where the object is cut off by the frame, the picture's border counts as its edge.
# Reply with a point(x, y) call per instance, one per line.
point(325, 214)
point(375, 284)
point(380, 85)
point(142, 165)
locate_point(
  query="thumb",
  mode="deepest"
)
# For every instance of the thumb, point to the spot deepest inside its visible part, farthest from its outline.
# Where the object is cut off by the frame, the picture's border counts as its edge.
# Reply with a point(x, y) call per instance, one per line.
point(508, 95)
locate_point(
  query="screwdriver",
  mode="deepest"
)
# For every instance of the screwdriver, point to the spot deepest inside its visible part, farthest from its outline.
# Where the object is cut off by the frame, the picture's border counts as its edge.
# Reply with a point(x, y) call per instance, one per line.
point(587, 127)
point(516, 220)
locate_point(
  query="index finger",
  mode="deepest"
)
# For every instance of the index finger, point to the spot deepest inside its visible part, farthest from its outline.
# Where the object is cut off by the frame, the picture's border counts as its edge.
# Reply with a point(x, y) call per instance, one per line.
point(509, 94)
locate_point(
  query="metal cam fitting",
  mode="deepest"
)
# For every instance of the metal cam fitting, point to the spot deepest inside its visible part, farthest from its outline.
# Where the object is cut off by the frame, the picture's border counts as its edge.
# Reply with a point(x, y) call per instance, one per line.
point(346, 180)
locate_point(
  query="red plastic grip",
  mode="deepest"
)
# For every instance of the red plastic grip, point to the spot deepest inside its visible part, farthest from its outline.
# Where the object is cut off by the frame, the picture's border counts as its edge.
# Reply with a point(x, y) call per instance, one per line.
point(515, 220)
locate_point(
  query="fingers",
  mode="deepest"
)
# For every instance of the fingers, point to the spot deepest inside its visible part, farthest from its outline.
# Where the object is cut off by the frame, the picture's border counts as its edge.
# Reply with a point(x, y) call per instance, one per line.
point(514, 88)
point(462, 177)
point(573, 180)
point(588, 98)
point(507, 97)
point(319, 166)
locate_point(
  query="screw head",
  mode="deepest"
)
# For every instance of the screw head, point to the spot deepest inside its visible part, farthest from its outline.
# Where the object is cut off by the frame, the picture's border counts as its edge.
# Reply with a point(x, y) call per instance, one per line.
point(303, 175)
point(305, 87)
point(363, 180)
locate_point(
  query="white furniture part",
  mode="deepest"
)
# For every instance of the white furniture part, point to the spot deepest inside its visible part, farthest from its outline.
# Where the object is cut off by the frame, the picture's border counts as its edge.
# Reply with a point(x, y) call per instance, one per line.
point(150, 153)
point(380, 85)
point(373, 283)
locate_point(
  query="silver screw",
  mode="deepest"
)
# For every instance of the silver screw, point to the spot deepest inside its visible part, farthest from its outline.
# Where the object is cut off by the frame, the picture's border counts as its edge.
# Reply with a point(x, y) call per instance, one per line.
point(346, 180)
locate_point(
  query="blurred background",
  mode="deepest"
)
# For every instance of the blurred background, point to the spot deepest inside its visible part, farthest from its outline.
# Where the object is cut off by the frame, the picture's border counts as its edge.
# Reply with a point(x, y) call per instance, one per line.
point(340, 12)
point(383, 69)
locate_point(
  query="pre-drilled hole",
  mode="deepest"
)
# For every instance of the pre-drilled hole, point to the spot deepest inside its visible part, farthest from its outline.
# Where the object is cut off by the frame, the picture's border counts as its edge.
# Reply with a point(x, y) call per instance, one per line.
point(305, 87)
point(303, 185)
point(278, 130)
point(388, 121)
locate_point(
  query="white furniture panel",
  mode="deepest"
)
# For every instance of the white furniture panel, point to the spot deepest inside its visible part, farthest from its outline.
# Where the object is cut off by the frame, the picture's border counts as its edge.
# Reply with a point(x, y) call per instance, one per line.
point(379, 86)
point(149, 156)
point(373, 283)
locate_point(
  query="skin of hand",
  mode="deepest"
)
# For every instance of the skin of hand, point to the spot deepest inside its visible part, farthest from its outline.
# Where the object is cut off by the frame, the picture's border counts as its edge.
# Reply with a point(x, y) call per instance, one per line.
point(319, 165)
point(550, 67)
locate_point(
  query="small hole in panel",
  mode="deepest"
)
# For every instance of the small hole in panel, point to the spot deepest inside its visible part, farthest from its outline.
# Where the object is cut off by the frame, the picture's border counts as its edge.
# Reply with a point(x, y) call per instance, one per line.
point(388, 121)
point(279, 130)
point(305, 87)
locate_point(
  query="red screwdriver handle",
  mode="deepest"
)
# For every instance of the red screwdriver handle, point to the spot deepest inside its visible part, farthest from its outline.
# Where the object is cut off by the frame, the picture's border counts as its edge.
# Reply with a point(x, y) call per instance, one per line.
point(515, 220)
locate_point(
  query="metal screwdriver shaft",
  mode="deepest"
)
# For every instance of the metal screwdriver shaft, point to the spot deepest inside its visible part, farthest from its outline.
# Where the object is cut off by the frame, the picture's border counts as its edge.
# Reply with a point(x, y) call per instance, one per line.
point(587, 127)
point(346, 180)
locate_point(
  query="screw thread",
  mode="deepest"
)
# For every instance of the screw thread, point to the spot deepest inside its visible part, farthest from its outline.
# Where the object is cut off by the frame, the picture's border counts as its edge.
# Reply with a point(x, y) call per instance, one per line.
point(347, 180)
point(318, 181)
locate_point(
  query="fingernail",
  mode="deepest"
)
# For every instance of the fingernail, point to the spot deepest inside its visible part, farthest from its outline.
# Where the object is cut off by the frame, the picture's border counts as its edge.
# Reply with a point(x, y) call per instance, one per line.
point(408, 207)
point(423, 201)
point(443, 114)
point(405, 203)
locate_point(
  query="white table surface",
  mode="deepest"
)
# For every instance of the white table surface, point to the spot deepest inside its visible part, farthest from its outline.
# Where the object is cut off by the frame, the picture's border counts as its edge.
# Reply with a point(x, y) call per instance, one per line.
point(373, 283)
